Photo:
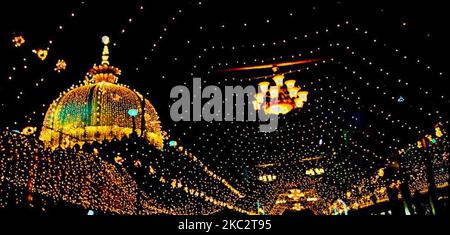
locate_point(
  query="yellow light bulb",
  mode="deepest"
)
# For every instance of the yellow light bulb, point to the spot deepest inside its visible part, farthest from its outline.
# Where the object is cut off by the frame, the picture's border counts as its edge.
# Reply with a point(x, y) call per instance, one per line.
point(274, 91)
point(293, 91)
point(263, 87)
point(303, 95)
point(105, 40)
point(290, 83)
point(278, 79)
point(438, 132)
point(298, 103)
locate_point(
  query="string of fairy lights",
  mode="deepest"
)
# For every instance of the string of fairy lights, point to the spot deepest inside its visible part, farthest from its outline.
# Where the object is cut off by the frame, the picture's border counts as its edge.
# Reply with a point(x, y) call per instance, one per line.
point(61, 64)
point(374, 108)
point(337, 44)
point(74, 185)
point(255, 150)
point(19, 41)
point(318, 158)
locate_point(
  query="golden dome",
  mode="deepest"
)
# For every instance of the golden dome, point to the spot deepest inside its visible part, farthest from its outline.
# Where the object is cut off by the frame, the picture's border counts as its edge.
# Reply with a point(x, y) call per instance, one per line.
point(100, 110)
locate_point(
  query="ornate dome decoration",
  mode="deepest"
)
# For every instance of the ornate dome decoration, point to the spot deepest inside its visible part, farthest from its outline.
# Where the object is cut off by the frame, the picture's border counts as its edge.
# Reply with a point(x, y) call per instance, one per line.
point(100, 110)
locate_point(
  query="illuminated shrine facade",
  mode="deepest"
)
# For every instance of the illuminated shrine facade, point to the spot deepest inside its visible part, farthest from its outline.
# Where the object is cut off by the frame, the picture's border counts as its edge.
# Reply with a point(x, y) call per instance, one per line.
point(99, 110)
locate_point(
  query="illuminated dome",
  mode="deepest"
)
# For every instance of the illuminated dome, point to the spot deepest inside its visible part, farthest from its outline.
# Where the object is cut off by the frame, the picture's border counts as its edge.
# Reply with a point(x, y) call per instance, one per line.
point(100, 110)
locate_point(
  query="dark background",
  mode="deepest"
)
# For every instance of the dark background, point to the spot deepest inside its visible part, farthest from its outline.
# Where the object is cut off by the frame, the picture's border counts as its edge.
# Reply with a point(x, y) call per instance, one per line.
point(154, 70)
point(79, 42)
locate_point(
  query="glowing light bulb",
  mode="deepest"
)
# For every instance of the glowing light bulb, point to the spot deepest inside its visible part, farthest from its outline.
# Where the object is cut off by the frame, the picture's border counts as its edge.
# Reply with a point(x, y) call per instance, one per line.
point(256, 105)
point(278, 79)
point(274, 90)
point(290, 83)
point(263, 86)
point(105, 40)
point(303, 95)
point(299, 103)
point(293, 91)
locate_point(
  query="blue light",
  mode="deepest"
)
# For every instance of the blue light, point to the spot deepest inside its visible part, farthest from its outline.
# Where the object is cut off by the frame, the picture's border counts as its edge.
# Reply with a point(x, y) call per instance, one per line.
point(172, 143)
point(133, 112)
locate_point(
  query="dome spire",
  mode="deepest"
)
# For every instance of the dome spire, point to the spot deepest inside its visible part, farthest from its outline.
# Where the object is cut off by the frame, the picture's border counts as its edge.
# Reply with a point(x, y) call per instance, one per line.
point(103, 72)
point(105, 53)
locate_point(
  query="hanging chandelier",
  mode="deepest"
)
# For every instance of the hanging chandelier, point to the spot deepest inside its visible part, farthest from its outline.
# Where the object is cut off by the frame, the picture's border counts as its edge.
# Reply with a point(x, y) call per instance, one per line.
point(280, 98)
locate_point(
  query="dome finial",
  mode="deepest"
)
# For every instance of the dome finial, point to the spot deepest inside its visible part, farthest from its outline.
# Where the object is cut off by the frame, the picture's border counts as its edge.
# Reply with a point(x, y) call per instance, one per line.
point(105, 53)
point(104, 72)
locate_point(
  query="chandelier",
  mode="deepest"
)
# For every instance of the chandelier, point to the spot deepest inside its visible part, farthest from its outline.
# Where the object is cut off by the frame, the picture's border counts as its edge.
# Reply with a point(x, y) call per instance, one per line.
point(280, 98)
point(283, 96)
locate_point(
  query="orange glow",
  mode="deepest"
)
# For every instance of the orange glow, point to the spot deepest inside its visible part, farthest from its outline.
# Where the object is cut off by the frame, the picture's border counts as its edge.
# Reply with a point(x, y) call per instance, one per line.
point(272, 66)
point(41, 53)
point(18, 41)
point(280, 108)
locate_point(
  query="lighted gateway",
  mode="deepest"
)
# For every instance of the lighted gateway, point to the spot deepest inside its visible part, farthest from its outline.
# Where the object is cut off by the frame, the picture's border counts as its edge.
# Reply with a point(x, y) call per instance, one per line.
point(100, 110)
